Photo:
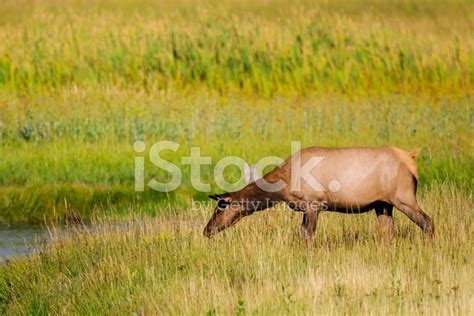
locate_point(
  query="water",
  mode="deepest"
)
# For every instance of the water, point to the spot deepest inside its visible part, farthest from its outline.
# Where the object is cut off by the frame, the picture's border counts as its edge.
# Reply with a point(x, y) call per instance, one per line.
point(18, 240)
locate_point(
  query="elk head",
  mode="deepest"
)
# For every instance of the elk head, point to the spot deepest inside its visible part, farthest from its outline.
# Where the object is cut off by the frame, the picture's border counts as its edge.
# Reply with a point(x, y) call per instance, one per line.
point(227, 213)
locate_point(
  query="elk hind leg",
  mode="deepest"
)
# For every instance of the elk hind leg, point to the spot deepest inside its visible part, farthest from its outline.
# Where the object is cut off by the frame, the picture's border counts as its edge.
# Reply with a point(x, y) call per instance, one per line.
point(405, 201)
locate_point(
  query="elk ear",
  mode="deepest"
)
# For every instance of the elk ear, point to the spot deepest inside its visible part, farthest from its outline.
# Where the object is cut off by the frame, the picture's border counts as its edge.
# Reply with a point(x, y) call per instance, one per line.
point(214, 197)
point(223, 196)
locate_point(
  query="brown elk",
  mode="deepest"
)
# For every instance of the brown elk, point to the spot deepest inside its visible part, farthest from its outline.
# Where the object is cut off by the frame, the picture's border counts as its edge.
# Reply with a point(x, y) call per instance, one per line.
point(347, 180)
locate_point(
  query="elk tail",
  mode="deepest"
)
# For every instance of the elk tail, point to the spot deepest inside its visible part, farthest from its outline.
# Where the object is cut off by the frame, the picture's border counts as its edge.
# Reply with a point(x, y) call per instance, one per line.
point(411, 164)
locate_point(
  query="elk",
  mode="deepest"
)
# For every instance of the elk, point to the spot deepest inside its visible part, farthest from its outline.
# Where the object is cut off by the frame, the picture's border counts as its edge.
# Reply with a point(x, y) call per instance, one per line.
point(349, 180)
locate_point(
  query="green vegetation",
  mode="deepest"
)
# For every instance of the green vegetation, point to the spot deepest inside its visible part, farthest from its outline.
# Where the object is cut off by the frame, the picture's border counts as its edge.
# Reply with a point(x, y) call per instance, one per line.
point(81, 81)
point(85, 156)
point(164, 266)
point(297, 48)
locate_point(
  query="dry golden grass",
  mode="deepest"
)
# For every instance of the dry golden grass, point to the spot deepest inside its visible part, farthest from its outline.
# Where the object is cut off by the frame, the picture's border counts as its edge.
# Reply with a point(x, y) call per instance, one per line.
point(164, 265)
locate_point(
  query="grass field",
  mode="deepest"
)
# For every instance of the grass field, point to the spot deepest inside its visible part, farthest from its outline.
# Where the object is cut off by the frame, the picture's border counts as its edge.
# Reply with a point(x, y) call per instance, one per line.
point(237, 46)
point(163, 265)
point(81, 81)
point(85, 155)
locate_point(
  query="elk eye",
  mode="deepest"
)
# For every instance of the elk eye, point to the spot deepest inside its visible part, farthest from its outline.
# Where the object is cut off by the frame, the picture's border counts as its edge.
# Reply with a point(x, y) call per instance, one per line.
point(222, 204)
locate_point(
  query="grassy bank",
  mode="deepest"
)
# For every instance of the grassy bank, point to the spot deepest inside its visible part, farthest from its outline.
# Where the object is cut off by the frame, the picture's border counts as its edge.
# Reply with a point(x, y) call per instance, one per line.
point(73, 151)
point(164, 265)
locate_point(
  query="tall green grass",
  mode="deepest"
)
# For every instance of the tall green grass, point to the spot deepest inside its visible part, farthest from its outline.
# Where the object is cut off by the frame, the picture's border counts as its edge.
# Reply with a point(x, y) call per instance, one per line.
point(85, 156)
point(276, 48)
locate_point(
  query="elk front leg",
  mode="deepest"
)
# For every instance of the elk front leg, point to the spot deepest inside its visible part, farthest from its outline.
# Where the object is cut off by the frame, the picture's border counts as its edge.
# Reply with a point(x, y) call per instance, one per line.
point(308, 227)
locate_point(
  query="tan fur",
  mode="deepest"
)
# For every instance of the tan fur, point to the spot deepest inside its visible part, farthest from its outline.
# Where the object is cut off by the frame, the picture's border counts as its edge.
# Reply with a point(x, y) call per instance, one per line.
point(408, 159)
point(367, 178)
